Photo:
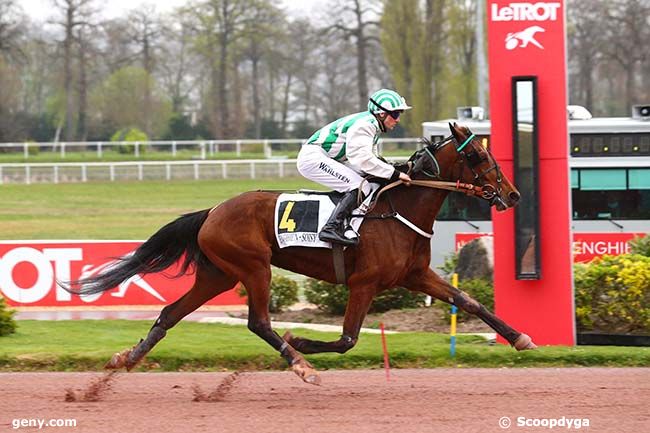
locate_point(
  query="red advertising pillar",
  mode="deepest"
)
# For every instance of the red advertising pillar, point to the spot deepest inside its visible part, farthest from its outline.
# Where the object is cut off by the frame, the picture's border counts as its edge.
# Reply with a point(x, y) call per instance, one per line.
point(527, 39)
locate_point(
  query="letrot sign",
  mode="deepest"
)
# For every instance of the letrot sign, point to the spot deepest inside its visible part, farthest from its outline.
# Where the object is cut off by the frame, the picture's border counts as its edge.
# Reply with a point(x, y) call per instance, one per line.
point(527, 39)
point(30, 272)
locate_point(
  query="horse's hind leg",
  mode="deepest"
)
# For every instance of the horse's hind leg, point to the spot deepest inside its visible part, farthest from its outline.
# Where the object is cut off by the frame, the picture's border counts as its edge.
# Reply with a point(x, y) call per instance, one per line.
point(209, 282)
point(432, 284)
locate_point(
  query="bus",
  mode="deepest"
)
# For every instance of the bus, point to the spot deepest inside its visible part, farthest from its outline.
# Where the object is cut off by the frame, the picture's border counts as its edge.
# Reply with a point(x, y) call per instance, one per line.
point(610, 186)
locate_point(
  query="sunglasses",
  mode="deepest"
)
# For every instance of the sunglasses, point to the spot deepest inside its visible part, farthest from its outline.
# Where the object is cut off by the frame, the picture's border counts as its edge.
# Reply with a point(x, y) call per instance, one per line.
point(395, 114)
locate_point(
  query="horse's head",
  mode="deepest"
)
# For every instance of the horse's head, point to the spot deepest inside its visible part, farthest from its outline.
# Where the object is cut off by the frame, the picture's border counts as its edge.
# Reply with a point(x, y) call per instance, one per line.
point(462, 158)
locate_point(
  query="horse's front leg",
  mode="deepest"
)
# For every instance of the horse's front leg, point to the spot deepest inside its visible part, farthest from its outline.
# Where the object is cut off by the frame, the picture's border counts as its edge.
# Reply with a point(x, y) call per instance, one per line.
point(432, 284)
point(357, 307)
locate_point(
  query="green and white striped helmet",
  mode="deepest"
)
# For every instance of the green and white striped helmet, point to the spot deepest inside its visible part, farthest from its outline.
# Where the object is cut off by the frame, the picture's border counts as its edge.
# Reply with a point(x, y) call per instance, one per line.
point(386, 100)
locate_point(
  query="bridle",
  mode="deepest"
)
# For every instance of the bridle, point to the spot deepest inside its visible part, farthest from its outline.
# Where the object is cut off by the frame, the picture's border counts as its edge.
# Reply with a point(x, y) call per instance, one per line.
point(483, 190)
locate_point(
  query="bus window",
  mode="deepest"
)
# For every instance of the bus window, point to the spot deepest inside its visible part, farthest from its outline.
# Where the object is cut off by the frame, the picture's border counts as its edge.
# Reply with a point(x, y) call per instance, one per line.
point(611, 194)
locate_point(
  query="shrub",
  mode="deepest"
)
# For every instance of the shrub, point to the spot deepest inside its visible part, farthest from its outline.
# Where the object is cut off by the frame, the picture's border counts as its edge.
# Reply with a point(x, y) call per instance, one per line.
point(129, 135)
point(613, 294)
point(333, 298)
point(7, 322)
point(640, 245)
point(284, 293)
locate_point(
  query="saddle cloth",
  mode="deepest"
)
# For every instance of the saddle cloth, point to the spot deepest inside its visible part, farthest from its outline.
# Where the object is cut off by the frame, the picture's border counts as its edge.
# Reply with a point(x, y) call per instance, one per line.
point(300, 216)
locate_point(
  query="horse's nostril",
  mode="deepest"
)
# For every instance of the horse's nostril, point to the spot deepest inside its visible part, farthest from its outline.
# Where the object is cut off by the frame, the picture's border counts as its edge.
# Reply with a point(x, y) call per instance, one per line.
point(514, 196)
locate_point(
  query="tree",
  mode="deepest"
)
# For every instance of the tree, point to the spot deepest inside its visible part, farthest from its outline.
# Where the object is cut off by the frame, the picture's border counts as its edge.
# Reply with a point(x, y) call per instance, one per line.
point(178, 66)
point(402, 39)
point(119, 103)
point(144, 30)
point(12, 27)
point(264, 26)
point(218, 25)
point(75, 13)
point(354, 19)
point(627, 31)
point(584, 45)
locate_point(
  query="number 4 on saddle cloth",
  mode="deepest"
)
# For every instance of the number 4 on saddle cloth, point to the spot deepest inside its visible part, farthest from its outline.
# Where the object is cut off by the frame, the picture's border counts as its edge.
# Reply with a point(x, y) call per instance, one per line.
point(300, 216)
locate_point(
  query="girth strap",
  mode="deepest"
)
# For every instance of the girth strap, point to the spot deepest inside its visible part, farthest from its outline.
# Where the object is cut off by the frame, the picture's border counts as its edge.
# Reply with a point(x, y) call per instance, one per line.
point(339, 263)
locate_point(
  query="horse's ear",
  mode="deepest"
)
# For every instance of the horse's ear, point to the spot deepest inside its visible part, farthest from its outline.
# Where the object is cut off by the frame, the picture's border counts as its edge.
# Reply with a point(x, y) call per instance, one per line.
point(453, 127)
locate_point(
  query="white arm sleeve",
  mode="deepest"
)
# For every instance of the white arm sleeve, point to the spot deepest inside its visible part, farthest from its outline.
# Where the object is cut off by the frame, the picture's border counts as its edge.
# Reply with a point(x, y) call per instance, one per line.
point(358, 150)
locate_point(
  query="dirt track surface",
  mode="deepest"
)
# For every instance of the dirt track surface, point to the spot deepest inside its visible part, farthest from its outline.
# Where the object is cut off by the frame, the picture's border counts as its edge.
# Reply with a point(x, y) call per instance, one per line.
point(614, 400)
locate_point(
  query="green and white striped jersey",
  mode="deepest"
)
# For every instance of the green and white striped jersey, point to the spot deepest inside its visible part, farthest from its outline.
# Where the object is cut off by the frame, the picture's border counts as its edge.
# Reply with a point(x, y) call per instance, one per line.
point(352, 140)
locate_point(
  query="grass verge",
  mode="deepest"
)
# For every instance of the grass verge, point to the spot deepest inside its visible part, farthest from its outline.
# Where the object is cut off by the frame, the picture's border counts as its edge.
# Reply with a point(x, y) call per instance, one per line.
point(87, 345)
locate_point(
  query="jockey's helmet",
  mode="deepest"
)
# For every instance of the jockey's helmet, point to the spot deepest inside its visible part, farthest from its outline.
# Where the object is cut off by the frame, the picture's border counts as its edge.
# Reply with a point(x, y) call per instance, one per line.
point(386, 100)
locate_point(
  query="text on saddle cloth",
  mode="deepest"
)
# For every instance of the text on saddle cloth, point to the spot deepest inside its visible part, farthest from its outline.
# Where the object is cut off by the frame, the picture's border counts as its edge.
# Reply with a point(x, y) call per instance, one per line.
point(299, 218)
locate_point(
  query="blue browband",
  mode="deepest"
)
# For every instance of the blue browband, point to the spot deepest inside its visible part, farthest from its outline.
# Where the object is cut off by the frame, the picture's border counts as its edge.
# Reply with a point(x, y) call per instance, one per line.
point(459, 148)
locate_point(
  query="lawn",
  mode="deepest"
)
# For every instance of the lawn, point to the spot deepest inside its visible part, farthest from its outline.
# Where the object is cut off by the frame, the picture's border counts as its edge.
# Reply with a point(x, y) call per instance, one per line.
point(119, 210)
point(82, 345)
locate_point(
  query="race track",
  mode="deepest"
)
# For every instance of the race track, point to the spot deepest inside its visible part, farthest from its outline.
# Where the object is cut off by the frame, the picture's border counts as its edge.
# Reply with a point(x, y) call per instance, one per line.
point(614, 400)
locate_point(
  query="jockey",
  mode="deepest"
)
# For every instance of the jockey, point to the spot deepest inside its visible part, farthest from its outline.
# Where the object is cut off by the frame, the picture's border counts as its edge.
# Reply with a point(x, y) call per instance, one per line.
point(341, 153)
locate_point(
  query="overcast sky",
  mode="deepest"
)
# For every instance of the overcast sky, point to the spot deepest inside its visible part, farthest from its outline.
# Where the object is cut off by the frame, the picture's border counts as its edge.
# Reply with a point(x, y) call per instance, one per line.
point(40, 10)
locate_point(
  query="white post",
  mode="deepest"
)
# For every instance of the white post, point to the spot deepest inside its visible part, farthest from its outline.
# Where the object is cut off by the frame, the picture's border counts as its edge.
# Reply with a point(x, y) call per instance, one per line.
point(28, 175)
point(56, 173)
point(281, 168)
point(137, 149)
point(99, 150)
point(224, 170)
point(238, 147)
point(252, 169)
point(203, 150)
point(140, 174)
point(168, 171)
point(112, 172)
point(62, 150)
point(84, 173)
point(267, 149)
point(26, 150)
point(1, 178)
point(174, 148)
point(196, 171)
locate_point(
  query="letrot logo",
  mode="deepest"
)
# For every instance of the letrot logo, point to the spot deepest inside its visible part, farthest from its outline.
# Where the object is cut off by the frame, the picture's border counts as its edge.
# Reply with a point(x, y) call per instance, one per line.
point(525, 12)
point(523, 38)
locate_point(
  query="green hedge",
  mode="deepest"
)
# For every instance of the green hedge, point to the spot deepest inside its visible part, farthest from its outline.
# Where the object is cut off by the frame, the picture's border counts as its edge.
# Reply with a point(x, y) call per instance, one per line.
point(130, 135)
point(333, 298)
point(284, 293)
point(613, 294)
point(7, 322)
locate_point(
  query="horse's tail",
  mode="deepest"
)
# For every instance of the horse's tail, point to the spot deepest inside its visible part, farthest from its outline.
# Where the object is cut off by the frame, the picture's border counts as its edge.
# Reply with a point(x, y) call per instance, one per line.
point(159, 252)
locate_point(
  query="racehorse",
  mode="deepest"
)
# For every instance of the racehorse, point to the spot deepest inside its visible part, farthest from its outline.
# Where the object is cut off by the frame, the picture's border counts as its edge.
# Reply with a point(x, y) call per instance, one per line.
point(235, 241)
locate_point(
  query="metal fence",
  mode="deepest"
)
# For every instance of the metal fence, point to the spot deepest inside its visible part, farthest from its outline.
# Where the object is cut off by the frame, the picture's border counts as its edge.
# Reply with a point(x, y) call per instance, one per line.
point(276, 160)
point(146, 170)
point(200, 149)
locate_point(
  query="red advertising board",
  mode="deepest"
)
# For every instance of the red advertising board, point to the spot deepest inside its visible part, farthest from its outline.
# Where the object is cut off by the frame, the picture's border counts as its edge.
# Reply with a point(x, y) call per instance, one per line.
point(528, 39)
point(586, 246)
point(29, 272)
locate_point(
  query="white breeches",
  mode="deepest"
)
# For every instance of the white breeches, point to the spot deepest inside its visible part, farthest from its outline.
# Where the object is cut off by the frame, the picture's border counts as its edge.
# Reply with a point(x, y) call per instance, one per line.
point(314, 164)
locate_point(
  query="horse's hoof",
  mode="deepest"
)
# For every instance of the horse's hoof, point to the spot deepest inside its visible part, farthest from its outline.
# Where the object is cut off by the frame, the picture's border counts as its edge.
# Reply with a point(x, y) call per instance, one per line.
point(117, 361)
point(306, 372)
point(524, 342)
point(308, 375)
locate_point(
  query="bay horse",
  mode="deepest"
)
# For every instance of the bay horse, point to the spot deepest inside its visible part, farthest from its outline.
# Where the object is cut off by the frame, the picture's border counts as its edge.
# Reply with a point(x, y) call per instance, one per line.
point(235, 241)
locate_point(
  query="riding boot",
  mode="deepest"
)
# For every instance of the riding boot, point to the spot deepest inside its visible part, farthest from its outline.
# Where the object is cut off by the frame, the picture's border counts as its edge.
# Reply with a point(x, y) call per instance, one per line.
point(334, 229)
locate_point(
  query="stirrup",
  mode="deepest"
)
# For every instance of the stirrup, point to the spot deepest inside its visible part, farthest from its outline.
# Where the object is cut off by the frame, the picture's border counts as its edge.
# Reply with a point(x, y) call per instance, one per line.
point(332, 236)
